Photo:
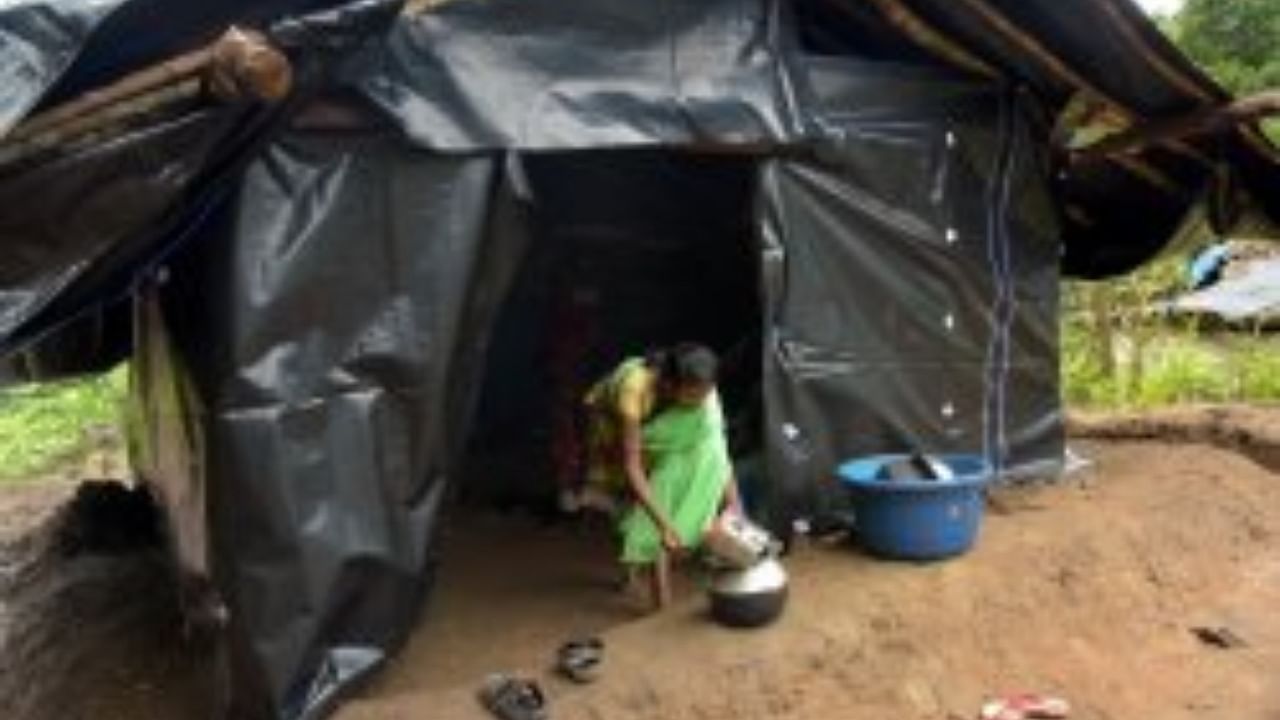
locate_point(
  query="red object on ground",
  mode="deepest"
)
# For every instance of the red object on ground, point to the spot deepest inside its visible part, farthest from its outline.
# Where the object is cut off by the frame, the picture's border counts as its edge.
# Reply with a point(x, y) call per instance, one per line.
point(1025, 707)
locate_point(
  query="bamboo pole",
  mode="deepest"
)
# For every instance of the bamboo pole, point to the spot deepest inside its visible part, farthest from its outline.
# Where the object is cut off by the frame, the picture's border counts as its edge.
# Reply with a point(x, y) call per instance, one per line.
point(1117, 10)
point(934, 41)
point(1002, 26)
point(1201, 122)
point(101, 122)
point(931, 40)
point(239, 64)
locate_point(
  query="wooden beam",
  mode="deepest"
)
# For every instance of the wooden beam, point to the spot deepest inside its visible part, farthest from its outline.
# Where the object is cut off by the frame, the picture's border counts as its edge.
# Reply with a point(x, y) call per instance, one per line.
point(1208, 121)
point(244, 64)
point(102, 123)
point(1078, 215)
point(1033, 48)
point(1171, 74)
point(1153, 176)
point(929, 38)
point(1176, 77)
point(241, 63)
point(919, 31)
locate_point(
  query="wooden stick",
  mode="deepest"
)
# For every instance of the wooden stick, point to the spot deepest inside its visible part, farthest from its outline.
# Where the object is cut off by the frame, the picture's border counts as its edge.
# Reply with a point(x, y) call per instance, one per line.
point(931, 40)
point(240, 63)
point(244, 64)
point(1032, 47)
point(1118, 10)
point(101, 122)
point(1152, 175)
point(1201, 122)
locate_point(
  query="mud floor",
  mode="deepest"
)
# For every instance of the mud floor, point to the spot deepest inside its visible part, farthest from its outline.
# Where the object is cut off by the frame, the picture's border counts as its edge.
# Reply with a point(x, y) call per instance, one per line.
point(1088, 589)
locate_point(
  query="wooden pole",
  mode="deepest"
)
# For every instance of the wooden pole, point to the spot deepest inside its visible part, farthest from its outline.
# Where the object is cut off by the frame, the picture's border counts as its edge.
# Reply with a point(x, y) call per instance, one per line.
point(241, 63)
point(244, 64)
point(931, 40)
point(1034, 49)
point(1201, 122)
point(102, 122)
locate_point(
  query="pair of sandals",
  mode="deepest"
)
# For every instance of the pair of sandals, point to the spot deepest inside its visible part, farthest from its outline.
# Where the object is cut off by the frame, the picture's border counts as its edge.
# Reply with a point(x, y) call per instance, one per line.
point(510, 697)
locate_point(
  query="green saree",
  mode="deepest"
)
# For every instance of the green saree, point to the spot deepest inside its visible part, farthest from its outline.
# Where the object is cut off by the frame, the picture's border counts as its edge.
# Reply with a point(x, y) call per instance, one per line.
point(688, 466)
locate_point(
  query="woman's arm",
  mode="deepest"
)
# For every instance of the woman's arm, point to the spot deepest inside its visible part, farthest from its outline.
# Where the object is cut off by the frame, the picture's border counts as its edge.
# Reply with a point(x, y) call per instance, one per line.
point(638, 479)
point(732, 501)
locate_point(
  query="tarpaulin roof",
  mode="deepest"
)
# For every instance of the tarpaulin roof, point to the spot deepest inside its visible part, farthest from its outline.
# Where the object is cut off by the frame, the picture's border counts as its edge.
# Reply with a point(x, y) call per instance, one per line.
point(1247, 298)
point(1117, 212)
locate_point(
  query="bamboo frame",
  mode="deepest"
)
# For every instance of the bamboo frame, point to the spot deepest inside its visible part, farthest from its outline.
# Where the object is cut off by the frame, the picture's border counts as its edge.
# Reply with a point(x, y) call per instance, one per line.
point(919, 31)
point(1153, 176)
point(101, 121)
point(934, 41)
point(1057, 67)
point(1061, 70)
point(241, 63)
point(1202, 122)
point(1251, 134)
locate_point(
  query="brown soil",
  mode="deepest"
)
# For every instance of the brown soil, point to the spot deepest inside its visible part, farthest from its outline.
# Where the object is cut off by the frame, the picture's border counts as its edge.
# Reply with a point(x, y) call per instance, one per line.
point(1251, 431)
point(1087, 588)
point(89, 622)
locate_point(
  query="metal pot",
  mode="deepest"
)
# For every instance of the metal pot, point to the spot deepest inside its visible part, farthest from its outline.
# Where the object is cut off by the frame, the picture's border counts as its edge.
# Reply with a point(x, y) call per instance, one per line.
point(736, 542)
point(749, 597)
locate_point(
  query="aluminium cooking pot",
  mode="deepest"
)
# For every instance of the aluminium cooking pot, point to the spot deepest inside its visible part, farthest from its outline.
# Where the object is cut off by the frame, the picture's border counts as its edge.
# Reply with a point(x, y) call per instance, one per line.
point(750, 597)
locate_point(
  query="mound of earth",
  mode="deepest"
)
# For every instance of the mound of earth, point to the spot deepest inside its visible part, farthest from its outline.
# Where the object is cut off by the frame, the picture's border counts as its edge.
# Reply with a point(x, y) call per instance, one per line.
point(1252, 431)
point(89, 621)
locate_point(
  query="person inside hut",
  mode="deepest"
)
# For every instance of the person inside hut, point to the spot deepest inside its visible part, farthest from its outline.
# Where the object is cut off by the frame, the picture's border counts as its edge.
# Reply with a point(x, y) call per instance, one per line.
point(656, 445)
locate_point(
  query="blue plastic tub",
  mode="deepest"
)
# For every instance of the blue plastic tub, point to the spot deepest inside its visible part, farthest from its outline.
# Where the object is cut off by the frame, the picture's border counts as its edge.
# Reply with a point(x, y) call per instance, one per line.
point(916, 519)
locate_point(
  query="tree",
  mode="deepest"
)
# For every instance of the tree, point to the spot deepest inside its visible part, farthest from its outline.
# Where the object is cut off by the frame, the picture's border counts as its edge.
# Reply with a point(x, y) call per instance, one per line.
point(1235, 41)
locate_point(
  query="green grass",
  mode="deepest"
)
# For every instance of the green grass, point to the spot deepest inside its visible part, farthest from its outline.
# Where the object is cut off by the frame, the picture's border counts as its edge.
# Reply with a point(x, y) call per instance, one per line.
point(1178, 367)
point(43, 426)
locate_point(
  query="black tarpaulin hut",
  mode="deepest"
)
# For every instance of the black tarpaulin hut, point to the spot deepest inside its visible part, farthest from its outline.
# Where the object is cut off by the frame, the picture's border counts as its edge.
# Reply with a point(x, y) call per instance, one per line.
point(321, 293)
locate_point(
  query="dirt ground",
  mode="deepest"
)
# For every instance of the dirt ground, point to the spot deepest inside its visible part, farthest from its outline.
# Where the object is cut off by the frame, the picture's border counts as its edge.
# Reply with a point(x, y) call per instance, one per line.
point(89, 620)
point(1087, 588)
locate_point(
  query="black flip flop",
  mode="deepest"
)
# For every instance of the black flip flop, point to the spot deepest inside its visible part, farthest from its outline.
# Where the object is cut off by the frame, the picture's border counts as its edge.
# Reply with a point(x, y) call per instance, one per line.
point(579, 660)
point(513, 698)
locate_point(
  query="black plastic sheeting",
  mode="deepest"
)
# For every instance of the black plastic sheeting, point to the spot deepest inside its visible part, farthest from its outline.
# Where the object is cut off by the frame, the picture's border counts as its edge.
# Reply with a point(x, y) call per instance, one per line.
point(911, 284)
point(335, 331)
point(545, 74)
point(90, 205)
point(38, 42)
point(1112, 48)
point(81, 228)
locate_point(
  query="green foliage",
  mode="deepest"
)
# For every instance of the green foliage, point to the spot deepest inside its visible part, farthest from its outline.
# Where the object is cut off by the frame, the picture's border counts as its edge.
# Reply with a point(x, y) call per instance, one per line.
point(1236, 41)
point(1117, 354)
point(44, 425)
